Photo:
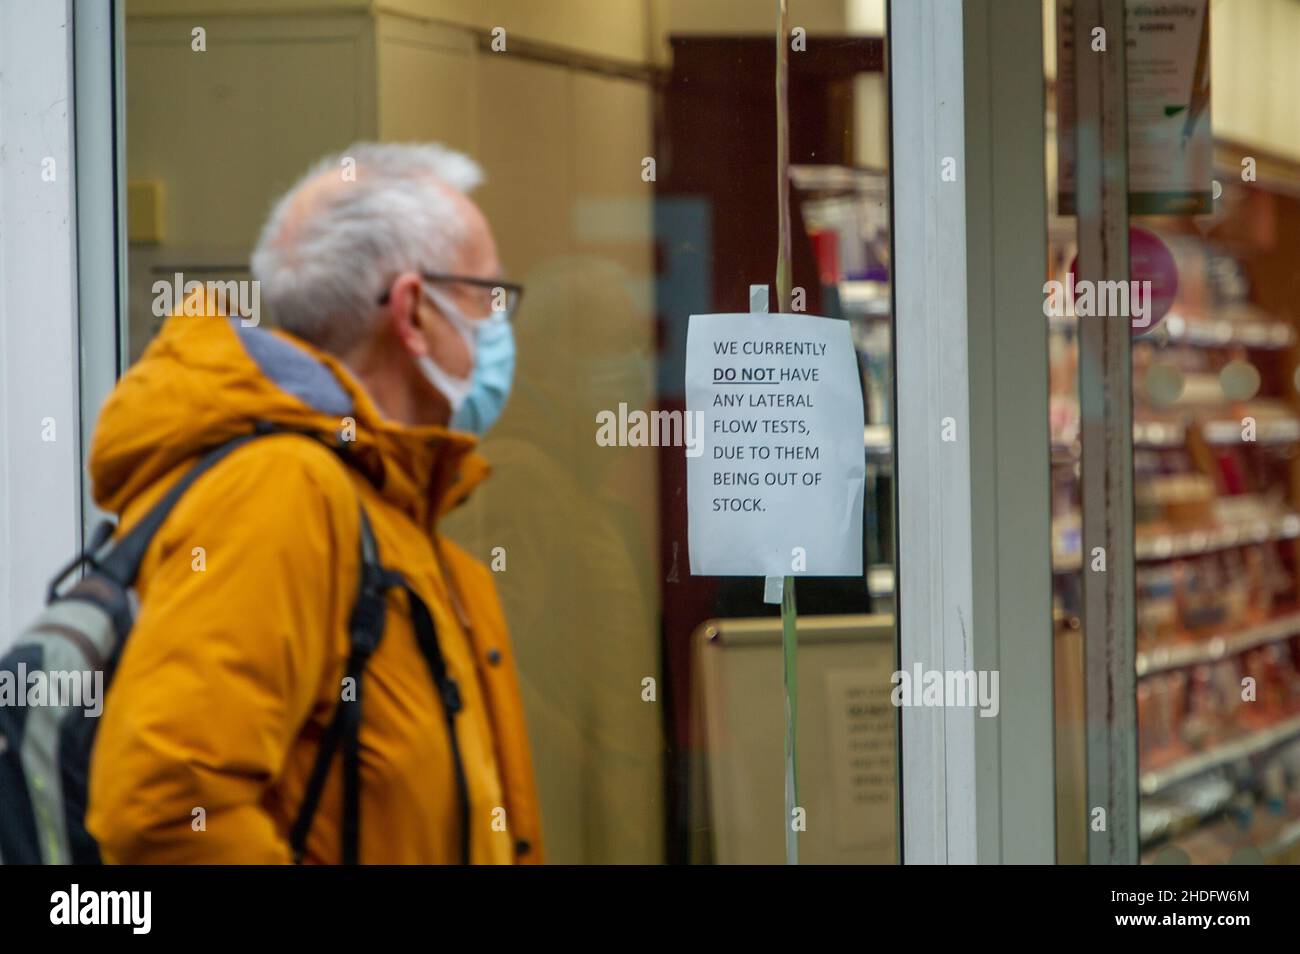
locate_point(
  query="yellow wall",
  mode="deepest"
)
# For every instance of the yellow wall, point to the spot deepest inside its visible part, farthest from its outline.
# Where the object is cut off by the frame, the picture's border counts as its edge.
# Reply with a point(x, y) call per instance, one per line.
point(192, 8)
point(226, 130)
point(729, 17)
point(1255, 73)
point(578, 522)
point(617, 29)
point(426, 79)
point(203, 117)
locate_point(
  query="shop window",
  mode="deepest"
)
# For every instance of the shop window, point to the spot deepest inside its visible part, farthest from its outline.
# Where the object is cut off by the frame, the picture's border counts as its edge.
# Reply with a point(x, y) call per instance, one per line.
point(630, 182)
point(1215, 435)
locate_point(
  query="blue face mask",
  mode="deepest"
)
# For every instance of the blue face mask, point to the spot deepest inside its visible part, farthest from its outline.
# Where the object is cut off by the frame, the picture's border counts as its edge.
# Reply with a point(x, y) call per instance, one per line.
point(494, 372)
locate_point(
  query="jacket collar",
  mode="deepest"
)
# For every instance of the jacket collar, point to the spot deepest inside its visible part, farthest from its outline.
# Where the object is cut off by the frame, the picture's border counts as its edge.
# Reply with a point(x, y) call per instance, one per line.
point(426, 470)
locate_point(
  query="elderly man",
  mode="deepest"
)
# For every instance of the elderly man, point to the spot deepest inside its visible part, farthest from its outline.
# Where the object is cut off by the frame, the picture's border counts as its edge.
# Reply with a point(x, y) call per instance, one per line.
point(382, 274)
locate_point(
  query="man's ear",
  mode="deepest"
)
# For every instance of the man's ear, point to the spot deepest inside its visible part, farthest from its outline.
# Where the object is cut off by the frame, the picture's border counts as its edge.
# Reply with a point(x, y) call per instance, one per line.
point(404, 297)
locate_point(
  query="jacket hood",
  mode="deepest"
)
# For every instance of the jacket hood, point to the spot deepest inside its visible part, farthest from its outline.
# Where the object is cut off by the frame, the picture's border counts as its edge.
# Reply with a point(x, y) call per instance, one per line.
point(205, 380)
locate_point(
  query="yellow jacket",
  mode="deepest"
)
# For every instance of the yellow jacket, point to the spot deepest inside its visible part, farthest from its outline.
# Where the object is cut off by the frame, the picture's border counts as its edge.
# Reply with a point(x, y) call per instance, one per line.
point(235, 663)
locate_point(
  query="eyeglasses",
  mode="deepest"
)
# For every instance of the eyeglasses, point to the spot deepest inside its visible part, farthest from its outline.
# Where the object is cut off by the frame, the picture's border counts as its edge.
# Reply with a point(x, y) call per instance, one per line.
point(489, 295)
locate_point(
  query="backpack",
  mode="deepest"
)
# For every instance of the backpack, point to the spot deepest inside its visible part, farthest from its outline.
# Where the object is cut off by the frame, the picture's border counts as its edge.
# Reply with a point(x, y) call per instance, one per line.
point(45, 748)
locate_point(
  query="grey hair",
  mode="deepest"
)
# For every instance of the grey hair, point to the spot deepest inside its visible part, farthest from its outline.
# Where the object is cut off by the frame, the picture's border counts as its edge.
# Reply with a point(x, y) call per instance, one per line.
point(323, 266)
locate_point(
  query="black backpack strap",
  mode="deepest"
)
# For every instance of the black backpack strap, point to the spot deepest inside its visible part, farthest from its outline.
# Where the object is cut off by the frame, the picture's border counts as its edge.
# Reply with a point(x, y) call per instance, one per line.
point(102, 533)
point(365, 629)
point(448, 691)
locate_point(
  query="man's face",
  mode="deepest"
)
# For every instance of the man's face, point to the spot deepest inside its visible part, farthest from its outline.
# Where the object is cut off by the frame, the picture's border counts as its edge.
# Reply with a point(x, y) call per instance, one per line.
point(478, 259)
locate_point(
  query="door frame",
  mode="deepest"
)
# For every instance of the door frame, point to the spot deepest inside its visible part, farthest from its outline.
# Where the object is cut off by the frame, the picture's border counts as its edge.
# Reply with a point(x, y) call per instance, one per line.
point(972, 446)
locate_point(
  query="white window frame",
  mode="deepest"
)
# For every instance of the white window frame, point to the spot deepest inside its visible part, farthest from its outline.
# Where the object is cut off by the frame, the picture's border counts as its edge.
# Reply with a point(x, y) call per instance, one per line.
point(40, 514)
point(971, 343)
point(99, 92)
point(61, 245)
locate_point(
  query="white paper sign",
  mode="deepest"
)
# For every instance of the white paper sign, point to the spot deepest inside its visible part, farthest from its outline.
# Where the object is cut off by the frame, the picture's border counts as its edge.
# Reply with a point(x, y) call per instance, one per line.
point(777, 488)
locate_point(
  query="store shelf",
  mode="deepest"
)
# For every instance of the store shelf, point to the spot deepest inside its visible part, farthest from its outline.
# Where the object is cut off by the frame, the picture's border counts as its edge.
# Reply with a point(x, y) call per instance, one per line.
point(1167, 816)
point(1217, 647)
point(1223, 840)
point(869, 299)
point(1169, 435)
point(1282, 430)
point(1261, 335)
point(1169, 546)
point(1221, 333)
point(1153, 782)
point(1153, 435)
point(1065, 453)
point(1150, 548)
point(1160, 435)
point(1280, 847)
